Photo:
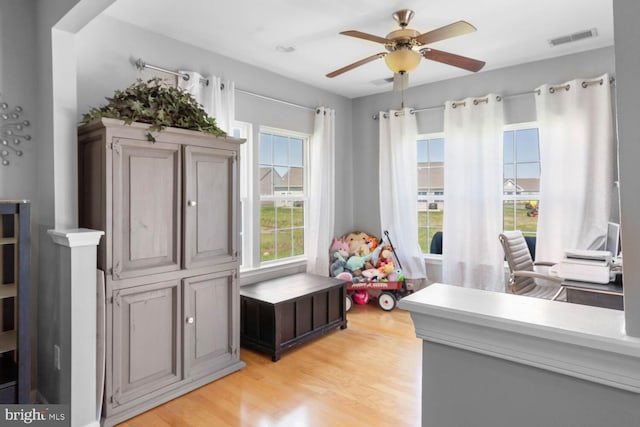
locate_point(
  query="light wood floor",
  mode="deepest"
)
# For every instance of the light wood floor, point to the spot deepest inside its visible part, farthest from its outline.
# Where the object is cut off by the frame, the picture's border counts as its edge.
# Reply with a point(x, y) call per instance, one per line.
point(366, 375)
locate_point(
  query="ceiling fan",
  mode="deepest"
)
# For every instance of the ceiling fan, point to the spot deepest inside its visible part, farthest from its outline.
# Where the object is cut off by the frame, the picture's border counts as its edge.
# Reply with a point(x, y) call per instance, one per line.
point(406, 46)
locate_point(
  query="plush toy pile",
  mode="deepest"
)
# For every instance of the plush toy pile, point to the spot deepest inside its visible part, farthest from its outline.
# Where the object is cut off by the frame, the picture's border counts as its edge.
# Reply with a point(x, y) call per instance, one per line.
point(358, 257)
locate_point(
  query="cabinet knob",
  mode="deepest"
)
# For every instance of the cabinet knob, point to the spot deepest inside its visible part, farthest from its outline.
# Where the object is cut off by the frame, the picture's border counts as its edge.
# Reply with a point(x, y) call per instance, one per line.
point(190, 320)
point(192, 203)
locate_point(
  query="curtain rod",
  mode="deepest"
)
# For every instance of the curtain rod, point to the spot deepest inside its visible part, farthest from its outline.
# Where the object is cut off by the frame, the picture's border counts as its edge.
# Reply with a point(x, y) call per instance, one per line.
point(552, 89)
point(268, 98)
point(140, 64)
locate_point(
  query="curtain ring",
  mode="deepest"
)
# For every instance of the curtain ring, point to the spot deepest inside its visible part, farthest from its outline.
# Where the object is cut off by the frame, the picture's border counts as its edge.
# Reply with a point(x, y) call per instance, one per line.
point(475, 102)
point(498, 98)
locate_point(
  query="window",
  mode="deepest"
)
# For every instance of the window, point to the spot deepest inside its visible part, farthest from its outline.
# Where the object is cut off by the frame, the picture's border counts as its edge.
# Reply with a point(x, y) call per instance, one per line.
point(273, 199)
point(430, 188)
point(282, 189)
point(521, 182)
point(521, 178)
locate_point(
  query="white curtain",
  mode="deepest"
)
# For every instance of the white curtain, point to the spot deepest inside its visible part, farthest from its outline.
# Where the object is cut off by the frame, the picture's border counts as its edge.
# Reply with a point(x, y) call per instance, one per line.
point(217, 97)
point(577, 153)
point(398, 188)
point(321, 192)
point(472, 256)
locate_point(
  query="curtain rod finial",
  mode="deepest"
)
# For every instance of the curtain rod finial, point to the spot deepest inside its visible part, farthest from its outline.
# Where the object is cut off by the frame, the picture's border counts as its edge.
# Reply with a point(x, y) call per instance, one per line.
point(140, 64)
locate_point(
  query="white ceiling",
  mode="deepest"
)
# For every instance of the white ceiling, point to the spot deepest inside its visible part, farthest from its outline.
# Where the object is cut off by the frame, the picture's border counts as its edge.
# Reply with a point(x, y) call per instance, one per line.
point(509, 32)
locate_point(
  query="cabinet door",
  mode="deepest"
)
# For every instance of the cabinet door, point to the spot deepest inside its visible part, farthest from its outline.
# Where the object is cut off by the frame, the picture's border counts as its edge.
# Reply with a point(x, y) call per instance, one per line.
point(146, 208)
point(210, 206)
point(211, 322)
point(146, 340)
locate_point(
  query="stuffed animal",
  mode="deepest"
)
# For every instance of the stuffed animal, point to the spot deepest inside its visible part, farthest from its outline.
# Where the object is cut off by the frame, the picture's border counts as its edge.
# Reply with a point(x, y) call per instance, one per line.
point(396, 276)
point(356, 263)
point(357, 243)
point(372, 242)
point(340, 250)
point(386, 267)
point(373, 274)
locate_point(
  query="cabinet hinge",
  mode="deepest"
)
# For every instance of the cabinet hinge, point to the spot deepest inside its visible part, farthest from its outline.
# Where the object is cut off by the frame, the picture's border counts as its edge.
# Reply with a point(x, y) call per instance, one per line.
point(115, 146)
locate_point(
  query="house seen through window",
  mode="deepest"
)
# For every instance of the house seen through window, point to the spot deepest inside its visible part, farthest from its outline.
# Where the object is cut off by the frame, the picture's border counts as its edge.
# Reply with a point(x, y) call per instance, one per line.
point(521, 183)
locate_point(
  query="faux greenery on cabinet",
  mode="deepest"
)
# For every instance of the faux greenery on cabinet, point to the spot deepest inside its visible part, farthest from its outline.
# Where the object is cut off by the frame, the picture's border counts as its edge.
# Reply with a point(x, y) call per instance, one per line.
point(159, 105)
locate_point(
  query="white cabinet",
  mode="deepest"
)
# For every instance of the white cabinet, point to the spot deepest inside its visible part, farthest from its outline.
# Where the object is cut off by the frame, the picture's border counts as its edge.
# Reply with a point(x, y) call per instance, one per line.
point(169, 210)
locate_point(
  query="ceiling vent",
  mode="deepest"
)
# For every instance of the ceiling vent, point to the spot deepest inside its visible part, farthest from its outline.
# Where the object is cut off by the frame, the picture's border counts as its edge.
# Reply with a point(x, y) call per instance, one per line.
point(381, 82)
point(580, 35)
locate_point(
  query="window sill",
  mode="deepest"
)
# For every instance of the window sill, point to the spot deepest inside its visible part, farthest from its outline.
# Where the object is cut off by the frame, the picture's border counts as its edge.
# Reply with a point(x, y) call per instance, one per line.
point(575, 340)
point(272, 270)
point(434, 259)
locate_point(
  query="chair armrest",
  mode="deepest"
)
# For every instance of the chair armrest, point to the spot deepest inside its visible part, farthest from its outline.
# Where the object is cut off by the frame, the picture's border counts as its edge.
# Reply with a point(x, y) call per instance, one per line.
point(544, 263)
point(536, 275)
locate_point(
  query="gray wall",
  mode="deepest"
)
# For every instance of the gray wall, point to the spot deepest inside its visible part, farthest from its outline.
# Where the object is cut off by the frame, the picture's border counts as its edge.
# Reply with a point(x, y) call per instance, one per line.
point(461, 388)
point(511, 80)
point(17, 74)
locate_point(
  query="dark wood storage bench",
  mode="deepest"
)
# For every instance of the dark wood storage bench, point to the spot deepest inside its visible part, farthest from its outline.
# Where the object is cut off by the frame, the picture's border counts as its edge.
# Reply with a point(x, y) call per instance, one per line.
point(279, 314)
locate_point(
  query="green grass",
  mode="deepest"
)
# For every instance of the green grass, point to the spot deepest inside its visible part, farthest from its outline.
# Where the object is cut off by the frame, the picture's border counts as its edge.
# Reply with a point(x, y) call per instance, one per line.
point(281, 232)
point(289, 222)
point(430, 222)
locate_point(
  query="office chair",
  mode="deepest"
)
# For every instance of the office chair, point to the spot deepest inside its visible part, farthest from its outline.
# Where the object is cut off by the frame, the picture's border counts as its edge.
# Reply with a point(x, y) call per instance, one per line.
point(522, 280)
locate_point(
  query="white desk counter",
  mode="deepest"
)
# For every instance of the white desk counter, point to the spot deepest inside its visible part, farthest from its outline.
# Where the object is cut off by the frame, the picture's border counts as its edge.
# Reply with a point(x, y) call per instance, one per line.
point(576, 340)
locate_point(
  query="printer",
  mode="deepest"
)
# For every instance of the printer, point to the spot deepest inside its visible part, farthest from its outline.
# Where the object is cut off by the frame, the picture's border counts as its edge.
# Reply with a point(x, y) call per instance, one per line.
point(584, 266)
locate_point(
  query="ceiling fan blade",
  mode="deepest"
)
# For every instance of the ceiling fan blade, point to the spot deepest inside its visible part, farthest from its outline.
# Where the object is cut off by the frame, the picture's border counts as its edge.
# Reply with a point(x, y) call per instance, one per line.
point(469, 64)
point(356, 64)
point(452, 30)
point(366, 36)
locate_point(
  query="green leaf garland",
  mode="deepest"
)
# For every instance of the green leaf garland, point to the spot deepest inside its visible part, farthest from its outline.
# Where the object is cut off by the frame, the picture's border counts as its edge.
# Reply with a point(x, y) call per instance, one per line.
point(159, 105)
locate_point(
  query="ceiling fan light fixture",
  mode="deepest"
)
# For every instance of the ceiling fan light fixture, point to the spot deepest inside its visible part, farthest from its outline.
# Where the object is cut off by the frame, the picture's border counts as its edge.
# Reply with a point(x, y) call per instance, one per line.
point(402, 60)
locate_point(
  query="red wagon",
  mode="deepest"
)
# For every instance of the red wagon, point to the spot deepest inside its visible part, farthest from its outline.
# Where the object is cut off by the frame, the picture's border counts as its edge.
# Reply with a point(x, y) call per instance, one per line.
point(387, 293)
point(370, 267)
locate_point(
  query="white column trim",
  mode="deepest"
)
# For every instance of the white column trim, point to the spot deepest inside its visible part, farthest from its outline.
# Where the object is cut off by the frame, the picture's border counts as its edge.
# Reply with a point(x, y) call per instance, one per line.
point(576, 340)
point(76, 237)
point(77, 278)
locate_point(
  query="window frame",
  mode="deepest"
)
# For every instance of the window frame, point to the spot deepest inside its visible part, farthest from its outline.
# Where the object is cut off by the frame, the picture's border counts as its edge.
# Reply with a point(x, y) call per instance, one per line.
point(514, 127)
point(252, 199)
point(430, 198)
